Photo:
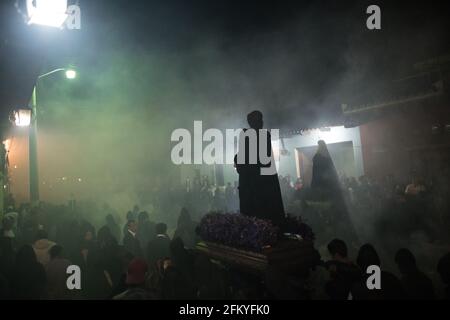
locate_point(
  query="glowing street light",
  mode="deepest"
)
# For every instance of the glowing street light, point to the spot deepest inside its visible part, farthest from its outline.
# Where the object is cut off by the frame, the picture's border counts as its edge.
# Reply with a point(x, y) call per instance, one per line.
point(71, 74)
point(22, 117)
point(51, 13)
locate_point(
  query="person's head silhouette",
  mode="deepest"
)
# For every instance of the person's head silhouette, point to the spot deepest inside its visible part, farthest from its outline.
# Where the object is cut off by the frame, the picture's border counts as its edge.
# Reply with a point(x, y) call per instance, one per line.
point(406, 261)
point(255, 119)
point(367, 256)
point(322, 148)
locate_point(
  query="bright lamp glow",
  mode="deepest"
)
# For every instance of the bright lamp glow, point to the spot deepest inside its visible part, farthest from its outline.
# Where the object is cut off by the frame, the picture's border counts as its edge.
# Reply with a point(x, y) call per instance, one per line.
point(71, 74)
point(52, 13)
point(22, 117)
point(7, 144)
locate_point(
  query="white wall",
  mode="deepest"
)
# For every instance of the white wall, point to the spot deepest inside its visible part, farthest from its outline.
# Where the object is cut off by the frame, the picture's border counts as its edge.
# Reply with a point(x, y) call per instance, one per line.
point(287, 164)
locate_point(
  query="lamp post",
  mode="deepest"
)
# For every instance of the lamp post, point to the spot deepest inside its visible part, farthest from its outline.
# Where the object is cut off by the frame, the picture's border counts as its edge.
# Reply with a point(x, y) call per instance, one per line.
point(50, 13)
point(33, 158)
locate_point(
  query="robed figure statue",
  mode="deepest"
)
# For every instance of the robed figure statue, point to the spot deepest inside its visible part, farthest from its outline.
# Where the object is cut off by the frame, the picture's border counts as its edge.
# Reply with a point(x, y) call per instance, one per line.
point(324, 174)
point(326, 187)
point(259, 188)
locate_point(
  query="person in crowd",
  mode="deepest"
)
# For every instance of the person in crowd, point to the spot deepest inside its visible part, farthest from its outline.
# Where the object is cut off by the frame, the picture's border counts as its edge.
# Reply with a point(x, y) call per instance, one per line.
point(42, 247)
point(113, 227)
point(7, 231)
point(4, 288)
point(175, 284)
point(87, 227)
point(229, 194)
point(28, 280)
point(86, 249)
point(56, 271)
point(415, 188)
point(343, 273)
point(125, 258)
point(31, 226)
point(135, 213)
point(136, 282)
point(13, 219)
point(416, 284)
point(443, 268)
point(145, 229)
point(186, 229)
point(10, 202)
point(130, 241)
point(104, 237)
point(131, 215)
point(155, 279)
point(7, 250)
point(211, 282)
point(94, 284)
point(109, 256)
point(159, 246)
point(70, 234)
point(278, 285)
point(129, 218)
point(298, 184)
point(181, 257)
point(318, 277)
point(391, 287)
point(218, 203)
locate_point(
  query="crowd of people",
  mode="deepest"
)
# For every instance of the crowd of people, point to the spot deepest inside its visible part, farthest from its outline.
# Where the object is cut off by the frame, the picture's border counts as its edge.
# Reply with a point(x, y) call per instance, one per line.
point(37, 245)
point(136, 256)
point(141, 261)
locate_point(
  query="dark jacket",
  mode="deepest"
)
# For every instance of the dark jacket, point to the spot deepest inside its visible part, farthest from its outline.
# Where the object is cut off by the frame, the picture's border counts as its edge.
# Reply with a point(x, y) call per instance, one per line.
point(158, 248)
point(391, 289)
point(28, 282)
point(93, 281)
point(56, 271)
point(131, 244)
point(146, 232)
point(115, 230)
point(418, 286)
point(343, 277)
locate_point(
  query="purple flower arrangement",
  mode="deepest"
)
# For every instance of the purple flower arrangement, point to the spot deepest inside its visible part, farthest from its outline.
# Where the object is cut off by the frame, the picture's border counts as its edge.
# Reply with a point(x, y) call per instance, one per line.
point(237, 230)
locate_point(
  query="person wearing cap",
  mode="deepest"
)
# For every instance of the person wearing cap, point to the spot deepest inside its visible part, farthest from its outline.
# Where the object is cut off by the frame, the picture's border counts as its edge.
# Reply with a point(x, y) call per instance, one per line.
point(135, 280)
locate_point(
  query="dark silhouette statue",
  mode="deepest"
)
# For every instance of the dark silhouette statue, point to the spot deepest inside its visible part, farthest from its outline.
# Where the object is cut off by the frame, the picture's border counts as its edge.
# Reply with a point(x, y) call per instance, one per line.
point(325, 186)
point(324, 175)
point(259, 188)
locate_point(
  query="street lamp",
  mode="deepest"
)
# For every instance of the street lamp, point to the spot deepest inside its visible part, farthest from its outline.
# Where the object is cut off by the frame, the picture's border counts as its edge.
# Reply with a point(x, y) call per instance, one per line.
point(22, 117)
point(34, 177)
point(71, 74)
